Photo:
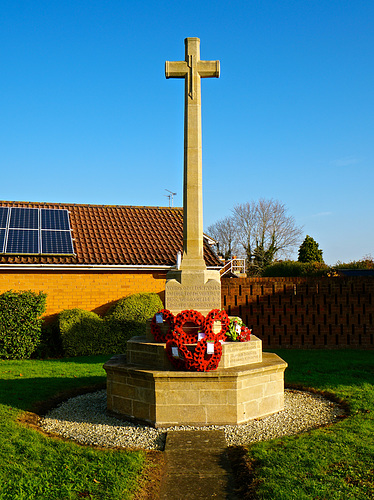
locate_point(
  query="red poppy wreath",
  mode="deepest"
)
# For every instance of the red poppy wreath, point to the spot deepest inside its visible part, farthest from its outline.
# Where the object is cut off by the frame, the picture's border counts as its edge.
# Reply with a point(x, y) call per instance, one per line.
point(179, 355)
point(188, 316)
point(156, 331)
point(208, 351)
point(212, 317)
point(204, 362)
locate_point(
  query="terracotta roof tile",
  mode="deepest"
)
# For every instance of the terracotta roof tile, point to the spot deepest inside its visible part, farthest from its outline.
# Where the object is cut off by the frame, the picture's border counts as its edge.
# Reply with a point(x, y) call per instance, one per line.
point(122, 235)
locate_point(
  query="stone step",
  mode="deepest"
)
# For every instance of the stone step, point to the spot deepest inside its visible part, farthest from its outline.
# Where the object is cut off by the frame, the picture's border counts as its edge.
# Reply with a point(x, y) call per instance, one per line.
point(197, 466)
point(142, 352)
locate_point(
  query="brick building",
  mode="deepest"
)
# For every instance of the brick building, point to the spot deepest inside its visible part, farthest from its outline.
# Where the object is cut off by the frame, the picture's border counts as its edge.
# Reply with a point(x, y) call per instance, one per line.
point(116, 251)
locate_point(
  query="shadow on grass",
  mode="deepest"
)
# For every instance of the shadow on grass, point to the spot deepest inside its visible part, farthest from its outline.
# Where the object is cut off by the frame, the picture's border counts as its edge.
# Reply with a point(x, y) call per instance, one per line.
point(25, 384)
point(41, 394)
point(81, 360)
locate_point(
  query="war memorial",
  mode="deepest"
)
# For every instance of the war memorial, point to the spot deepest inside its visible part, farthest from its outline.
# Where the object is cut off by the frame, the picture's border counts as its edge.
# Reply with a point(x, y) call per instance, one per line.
point(196, 378)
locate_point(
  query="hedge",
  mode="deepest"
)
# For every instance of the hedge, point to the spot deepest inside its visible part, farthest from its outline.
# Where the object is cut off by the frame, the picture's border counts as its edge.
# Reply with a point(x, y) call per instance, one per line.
point(20, 323)
point(292, 268)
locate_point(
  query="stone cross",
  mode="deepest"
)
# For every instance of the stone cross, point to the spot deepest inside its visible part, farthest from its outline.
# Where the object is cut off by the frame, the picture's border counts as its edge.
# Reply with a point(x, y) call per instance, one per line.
point(192, 69)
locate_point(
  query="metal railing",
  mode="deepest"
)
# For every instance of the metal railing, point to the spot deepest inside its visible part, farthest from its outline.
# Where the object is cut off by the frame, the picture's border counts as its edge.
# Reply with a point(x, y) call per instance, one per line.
point(234, 266)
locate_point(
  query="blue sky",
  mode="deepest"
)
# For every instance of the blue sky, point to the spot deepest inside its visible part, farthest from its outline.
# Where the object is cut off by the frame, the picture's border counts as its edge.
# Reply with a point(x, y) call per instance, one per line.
point(87, 115)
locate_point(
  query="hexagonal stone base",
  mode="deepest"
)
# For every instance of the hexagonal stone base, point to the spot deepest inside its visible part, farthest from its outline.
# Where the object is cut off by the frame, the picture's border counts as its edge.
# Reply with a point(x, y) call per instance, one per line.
point(165, 398)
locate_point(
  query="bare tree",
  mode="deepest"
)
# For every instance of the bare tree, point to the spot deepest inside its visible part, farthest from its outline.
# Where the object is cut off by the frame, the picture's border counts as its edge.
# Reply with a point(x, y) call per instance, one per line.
point(224, 232)
point(265, 231)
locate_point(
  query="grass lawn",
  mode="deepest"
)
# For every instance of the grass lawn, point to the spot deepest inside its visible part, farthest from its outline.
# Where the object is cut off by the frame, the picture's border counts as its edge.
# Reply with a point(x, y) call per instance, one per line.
point(34, 466)
point(336, 462)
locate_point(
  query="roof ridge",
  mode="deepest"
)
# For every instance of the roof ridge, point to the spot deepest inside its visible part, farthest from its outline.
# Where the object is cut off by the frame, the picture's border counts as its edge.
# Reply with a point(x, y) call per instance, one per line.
point(91, 205)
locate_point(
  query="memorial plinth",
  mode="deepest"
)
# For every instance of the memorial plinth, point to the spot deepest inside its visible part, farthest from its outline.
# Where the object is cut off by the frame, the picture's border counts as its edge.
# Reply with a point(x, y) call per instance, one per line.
point(149, 354)
point(144, 386)
point(163, 398)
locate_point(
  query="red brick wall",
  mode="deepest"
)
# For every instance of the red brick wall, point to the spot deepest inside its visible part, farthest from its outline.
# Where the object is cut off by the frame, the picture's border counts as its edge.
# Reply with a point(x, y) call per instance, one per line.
point(304, 312)
point(282, 312)
point(93, 291)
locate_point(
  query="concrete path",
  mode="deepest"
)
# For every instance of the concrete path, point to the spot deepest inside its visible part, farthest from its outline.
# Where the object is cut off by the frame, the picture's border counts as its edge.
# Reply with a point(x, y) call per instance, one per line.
point(197, 467)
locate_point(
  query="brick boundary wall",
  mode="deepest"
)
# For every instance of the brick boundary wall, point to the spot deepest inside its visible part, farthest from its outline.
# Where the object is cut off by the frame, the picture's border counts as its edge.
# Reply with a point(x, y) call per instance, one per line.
point(304, 312)
point(282, 312)
point(89, 290)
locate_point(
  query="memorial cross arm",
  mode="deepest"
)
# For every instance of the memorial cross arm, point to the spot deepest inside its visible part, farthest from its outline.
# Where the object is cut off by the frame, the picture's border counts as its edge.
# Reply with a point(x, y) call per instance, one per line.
point(176, 69)
point(208, 69)
point(179, 69)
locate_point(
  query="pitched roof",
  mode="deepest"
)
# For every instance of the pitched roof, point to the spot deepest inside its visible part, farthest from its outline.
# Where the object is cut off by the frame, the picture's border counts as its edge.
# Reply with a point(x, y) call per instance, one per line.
point(116, 235)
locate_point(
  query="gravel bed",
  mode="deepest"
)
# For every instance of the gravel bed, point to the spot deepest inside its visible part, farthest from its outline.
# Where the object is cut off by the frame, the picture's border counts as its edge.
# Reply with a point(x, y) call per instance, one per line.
point(84, 419)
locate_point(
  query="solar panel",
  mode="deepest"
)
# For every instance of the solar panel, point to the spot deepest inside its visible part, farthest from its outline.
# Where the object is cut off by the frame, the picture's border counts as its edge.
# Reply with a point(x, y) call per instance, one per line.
point(24, 218)
point(3, 216)
point(57, 242)
point(23, 241)
point(35, 231)
point(2, 240)
point(55, 219)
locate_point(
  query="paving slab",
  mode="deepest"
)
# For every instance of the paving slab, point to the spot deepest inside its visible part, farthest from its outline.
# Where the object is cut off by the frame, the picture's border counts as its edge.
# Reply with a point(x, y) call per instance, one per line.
point(197, 467)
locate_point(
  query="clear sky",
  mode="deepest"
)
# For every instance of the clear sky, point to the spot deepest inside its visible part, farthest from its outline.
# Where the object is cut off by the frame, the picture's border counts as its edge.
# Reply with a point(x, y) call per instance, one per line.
point(87, 116)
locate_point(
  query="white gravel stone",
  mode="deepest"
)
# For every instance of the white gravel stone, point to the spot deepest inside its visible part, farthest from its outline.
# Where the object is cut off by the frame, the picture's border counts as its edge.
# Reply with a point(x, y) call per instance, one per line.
point(84, 419)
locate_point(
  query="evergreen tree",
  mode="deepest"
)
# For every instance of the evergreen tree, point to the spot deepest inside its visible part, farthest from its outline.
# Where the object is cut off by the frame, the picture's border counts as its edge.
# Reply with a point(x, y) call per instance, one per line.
point(309, 251)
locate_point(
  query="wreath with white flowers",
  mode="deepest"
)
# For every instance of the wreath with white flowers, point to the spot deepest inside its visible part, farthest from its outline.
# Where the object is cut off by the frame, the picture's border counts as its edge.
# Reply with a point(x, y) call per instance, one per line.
point(237, 331)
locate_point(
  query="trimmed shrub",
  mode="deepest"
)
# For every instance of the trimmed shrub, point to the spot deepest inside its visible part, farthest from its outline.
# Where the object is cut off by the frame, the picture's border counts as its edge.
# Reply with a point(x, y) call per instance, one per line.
point(284, 269)
point(128, 316)
point(20, 323)
point(83, 333)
